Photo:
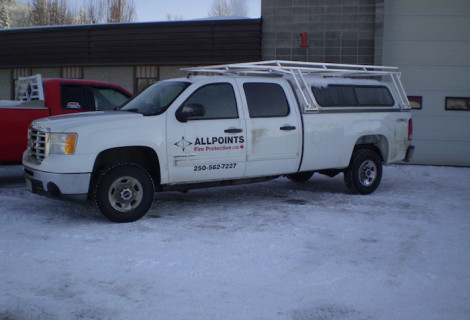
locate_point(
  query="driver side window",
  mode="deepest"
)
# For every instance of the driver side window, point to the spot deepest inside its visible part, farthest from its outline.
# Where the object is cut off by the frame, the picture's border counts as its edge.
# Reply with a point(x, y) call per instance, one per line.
point(217, 101)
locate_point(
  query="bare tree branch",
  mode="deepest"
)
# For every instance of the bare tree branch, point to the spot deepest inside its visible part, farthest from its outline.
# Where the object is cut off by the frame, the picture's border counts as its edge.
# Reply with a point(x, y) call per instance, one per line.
point(228, 8)
point(95, 11)
point(4, 17)
point(121, 11)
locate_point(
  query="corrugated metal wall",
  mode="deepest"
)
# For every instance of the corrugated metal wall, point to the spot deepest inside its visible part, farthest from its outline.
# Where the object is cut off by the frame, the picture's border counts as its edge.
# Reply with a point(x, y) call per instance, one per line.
point(172, 43)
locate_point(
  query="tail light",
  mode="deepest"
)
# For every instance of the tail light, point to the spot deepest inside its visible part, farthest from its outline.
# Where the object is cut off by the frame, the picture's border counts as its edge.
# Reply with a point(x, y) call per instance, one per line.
point(410, 129)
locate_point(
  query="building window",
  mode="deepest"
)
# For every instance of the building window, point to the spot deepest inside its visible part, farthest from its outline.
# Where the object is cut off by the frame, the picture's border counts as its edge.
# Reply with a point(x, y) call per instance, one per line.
point(416, 102)
point(19, 73)
point(457, 104)
point(145, 76)
point(71, 73)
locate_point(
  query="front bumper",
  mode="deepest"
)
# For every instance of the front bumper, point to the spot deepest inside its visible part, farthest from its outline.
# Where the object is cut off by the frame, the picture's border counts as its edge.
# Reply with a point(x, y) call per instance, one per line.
point(69, 185)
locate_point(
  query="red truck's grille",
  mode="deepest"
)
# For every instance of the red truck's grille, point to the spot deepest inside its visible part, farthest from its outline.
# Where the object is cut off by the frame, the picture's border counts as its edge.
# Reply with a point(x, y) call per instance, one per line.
point(36, 144)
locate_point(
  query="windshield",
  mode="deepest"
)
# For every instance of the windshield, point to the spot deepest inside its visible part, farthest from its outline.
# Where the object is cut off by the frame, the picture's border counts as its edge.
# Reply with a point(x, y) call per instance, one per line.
point(156, 98)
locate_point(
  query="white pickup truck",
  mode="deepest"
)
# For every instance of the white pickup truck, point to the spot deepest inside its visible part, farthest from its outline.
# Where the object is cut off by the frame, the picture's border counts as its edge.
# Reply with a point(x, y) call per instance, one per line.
point(224, 125)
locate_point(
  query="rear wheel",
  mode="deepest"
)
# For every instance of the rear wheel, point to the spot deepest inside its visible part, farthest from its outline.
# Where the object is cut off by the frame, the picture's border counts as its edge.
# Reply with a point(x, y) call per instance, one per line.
point(124, 192)
point(364, 173)
point(300, 176)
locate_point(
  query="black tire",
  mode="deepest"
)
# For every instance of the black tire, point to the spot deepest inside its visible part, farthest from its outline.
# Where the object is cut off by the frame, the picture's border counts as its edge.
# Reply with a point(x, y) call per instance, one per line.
point(124, 192)
point(300, 176)
point(364, 173)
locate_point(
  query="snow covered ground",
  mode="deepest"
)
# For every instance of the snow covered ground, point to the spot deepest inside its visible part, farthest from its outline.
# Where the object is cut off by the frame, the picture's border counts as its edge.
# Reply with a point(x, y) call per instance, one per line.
point(275, 250)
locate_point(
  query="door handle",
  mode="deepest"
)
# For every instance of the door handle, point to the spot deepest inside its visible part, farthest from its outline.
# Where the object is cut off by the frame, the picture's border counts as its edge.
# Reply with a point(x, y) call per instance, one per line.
point(288, 128)
point(233, 130)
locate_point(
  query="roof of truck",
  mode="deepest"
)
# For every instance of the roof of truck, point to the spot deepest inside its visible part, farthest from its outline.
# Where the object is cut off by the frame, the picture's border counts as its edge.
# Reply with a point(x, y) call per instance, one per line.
point(81, 81)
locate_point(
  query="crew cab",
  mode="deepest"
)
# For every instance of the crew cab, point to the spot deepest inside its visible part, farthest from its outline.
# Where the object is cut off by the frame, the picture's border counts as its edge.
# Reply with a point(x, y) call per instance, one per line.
point(38, 98)
point(233, 124)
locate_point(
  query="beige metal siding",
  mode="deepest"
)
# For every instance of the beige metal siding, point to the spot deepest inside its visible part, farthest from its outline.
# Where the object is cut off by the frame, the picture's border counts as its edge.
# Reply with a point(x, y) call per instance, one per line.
point(430, 42)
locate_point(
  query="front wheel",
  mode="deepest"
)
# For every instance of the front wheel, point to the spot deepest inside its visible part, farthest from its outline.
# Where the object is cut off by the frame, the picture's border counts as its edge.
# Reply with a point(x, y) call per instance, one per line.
point(364, 173)
point(124, 192)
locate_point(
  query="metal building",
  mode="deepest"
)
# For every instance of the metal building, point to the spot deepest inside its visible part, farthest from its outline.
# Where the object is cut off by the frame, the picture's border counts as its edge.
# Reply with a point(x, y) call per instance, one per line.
point(428, 39)
point(131, 54)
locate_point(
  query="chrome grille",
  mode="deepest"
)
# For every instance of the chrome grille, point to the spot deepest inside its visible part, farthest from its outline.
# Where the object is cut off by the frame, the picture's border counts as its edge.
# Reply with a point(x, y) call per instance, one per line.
point(36, 144)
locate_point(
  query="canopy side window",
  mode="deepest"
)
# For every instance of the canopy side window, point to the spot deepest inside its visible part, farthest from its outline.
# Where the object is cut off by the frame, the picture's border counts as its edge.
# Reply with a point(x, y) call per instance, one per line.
point(353, 96)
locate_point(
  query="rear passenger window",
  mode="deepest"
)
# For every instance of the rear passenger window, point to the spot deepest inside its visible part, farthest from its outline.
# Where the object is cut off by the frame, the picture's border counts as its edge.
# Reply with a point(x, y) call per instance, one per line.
point(266, 100)
point(73, 97)
point(353, 96)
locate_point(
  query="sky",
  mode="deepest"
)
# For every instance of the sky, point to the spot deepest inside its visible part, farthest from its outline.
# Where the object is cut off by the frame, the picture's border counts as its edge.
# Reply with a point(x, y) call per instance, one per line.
point(157, 10)
point(188, 9)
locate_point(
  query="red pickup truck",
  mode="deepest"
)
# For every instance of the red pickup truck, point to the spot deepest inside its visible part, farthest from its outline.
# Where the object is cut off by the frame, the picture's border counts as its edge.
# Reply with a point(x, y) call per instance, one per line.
point(38, 98)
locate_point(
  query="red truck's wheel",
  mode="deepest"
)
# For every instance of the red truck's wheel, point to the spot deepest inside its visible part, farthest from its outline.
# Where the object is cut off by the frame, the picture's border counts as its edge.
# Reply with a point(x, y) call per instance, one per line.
point(364, 173)
point(124, 192)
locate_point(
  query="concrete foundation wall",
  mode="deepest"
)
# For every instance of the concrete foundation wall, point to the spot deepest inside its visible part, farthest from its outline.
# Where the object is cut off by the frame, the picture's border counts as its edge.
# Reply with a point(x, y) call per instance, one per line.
point(47, 72)
point(168, 72)
point(123, 76)
point(5, 84)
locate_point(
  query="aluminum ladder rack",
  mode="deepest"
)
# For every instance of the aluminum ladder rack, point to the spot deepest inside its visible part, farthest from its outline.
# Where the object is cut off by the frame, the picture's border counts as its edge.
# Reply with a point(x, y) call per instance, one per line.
point(298, 70)
point(30, 88)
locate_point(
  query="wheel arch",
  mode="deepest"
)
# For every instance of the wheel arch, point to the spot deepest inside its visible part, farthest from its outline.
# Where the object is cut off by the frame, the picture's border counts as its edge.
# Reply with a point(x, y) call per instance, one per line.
point(145, 157)
point(377, 143)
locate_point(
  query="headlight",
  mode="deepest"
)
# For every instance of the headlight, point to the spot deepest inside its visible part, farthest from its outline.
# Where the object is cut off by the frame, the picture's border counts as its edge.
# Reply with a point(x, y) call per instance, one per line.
point(61, 143)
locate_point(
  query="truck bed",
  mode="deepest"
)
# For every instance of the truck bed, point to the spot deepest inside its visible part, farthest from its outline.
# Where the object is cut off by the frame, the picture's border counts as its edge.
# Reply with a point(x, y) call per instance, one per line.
point(14, 121)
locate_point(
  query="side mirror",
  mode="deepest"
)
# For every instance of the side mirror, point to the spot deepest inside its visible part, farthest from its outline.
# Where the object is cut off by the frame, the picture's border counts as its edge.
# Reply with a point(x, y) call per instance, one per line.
point(188, 111)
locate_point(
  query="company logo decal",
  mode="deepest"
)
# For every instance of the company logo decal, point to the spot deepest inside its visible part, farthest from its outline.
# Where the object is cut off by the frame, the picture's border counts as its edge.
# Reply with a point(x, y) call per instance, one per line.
point(202, 144)
point(183, 143)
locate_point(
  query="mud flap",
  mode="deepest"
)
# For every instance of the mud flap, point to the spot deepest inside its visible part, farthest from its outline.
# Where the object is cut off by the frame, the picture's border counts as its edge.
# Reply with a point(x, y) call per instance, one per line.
point(409, 153)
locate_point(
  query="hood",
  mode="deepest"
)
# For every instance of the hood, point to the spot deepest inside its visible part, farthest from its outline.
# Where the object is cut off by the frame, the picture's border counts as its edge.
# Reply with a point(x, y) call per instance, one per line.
point(75, 121)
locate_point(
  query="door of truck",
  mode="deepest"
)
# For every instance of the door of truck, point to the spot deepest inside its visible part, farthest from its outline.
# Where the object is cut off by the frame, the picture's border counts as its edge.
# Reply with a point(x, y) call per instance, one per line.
point(207, 135)
point(274, 127)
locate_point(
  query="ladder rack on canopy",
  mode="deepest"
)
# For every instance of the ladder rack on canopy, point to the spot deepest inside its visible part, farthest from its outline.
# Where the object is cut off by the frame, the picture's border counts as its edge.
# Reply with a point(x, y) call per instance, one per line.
point(298, 70)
